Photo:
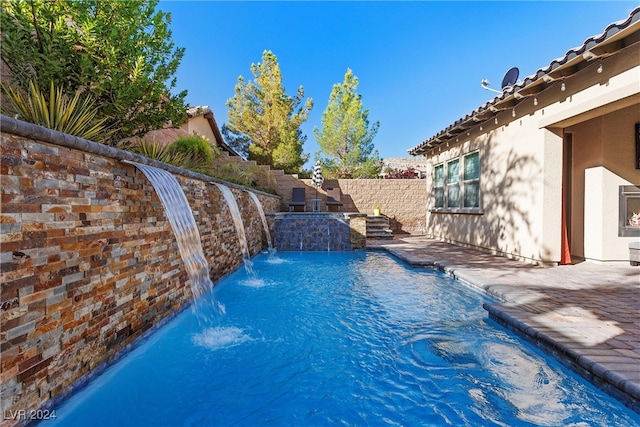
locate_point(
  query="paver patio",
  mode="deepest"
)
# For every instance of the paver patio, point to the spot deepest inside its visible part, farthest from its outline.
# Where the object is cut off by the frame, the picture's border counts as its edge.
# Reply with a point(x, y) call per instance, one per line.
point(587, 314)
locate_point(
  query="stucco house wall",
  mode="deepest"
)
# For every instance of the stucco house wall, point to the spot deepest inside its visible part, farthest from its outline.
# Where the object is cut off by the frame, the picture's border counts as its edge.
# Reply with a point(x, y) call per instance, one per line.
point(514, 197)
point(553, 150)
point(200, 126)
point(602, 161)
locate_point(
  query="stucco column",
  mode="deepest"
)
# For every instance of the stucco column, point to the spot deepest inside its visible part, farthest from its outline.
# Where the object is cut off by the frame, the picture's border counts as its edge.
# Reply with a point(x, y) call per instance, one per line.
point(552, 197)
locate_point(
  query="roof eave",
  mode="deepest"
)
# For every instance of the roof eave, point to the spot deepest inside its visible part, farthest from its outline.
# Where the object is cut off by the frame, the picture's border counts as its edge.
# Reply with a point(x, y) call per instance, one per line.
point(603, 45)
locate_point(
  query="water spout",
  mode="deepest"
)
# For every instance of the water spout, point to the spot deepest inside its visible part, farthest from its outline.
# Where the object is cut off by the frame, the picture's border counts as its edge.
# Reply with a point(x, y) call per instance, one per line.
point(265, 225)
point(237, 221)
point(185, 229)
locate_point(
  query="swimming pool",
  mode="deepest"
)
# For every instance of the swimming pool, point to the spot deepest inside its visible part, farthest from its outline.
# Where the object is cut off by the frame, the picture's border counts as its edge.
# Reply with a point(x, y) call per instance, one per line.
point(338, 338)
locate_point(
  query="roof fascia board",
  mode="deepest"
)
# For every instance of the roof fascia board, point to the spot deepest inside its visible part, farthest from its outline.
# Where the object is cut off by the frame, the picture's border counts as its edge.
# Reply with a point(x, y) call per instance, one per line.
point(629, 92)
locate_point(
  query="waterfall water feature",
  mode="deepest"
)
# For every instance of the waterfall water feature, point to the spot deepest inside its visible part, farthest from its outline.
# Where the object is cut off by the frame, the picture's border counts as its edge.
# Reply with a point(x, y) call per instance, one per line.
point(264, 220)
point(178, 211)
point(237, 221)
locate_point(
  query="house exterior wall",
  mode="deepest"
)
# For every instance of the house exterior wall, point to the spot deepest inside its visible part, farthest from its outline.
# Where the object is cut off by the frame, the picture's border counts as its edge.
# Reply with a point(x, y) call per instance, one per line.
point(521, 156)
point(603, 159)
point(199, 125)
point(515, 196)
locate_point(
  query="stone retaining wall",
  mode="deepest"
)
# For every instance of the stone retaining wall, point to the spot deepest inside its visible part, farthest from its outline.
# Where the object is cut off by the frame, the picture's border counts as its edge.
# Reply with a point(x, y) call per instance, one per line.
point(88, 260)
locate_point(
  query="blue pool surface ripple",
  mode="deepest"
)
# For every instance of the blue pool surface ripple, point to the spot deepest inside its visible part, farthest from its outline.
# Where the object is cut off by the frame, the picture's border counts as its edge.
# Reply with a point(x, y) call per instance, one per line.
point(338, 338)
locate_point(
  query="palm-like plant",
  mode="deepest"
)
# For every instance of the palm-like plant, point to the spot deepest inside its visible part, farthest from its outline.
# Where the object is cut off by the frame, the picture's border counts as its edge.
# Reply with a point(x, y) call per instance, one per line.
point(71, 115)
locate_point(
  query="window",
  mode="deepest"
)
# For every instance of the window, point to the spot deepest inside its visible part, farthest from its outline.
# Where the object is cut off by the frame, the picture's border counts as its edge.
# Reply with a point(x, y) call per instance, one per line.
point(471, 181)
point(438, 186)
point(456, 184)
point(453, 184)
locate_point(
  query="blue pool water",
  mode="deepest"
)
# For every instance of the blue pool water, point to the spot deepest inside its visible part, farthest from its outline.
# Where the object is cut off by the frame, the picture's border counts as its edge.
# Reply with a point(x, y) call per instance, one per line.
point(338, 338)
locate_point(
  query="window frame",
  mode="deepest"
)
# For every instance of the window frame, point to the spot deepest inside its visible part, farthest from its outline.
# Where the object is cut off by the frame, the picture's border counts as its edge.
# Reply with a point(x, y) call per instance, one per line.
point(452, 184)
point(460, 182)
point(438, 184)
point(468, 181)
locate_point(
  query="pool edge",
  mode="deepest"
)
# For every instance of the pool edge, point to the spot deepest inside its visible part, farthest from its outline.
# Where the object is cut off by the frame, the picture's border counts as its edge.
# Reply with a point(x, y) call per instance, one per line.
point(610, 382)
point(625, 391)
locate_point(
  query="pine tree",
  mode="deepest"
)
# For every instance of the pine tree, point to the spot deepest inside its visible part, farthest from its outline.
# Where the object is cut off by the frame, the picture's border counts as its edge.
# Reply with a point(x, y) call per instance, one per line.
point(346, 139)
point(261, 111)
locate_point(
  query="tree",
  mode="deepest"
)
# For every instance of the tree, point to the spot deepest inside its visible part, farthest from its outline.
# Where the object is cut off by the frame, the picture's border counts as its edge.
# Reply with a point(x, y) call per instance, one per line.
point(239, 143)
point(346, 139)
point(119, 51)
point(261, 111)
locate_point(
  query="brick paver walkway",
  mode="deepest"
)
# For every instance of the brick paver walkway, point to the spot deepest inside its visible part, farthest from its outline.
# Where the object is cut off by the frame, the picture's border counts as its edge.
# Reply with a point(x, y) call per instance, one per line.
point(587, 315)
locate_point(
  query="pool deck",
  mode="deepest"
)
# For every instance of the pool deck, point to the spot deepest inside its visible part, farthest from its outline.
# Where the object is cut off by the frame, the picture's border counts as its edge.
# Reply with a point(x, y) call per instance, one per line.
point(587, 314)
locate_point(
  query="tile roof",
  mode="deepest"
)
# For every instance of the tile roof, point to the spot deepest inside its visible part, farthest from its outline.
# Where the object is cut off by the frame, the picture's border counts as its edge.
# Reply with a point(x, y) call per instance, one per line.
point(596, 46)
point(200, 110)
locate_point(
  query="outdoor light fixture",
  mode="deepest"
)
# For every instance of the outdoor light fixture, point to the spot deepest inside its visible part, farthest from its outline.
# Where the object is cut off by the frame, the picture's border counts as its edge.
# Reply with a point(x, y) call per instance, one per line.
point(513, 112)
point(563, 87)
point(495, 120)
point(535, 101)
point(599, 70)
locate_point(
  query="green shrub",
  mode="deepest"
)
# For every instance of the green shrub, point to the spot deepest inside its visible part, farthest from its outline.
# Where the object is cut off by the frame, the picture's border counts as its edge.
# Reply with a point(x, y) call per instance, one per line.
point(156, 151)
point(196, 154)
point(198, 150)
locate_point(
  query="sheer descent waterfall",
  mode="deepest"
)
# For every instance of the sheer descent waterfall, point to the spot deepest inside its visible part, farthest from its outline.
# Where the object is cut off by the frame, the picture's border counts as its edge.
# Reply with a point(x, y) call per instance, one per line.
point(264, 220)
point(237, 221)
point(178, 211)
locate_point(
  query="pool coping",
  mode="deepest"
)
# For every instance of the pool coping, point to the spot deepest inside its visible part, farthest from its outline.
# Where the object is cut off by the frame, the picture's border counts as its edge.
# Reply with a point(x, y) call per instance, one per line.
point(613, 384)
point(623, 389)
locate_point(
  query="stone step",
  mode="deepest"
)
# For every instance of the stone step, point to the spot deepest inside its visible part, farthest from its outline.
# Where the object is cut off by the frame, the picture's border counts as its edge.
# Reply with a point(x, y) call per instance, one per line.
point(378, 227)
point(378, 222)
point(380, 236)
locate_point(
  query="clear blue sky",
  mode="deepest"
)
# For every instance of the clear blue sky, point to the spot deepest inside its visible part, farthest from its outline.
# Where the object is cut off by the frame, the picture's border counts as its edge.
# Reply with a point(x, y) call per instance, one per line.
point(419, 64)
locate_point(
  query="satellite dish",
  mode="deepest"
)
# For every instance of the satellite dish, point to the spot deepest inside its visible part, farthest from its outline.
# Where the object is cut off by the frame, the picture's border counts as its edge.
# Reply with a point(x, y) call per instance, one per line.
point(510, 78)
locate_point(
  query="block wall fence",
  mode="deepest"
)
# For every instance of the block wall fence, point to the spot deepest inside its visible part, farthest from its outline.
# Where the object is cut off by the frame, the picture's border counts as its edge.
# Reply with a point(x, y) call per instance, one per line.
point(88, 260)
point(403, 201)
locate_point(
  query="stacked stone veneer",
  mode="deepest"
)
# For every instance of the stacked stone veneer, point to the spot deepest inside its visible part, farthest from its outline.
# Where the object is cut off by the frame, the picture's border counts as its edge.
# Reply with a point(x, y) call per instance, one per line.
point(317, 232)
point(403, 201)
point(89, 261)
